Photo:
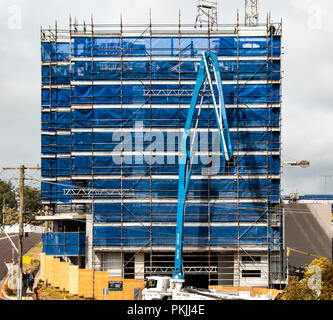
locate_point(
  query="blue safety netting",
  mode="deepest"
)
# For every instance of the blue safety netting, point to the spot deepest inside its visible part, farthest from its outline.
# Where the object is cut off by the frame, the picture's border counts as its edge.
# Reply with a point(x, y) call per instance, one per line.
point(193, 236)
point(49, 169)
point(172, 94)
point(54, 191)
point(56, 143)
point(54, 167)
point(171, 117)
point(56, 120)
point(136, 165)
point(48, 143)
point(166, 212)
point(56, 97)
point(64, 243)
point(261, 67)
point(63, 143)
point(174, 46)
point(55, 51)
point(52, 75)
point(219, 188)
point(167, 70)
point(164, 142)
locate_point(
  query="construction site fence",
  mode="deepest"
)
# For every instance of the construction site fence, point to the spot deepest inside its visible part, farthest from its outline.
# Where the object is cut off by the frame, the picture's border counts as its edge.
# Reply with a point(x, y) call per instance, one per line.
point(98, 285)
point(87, 283)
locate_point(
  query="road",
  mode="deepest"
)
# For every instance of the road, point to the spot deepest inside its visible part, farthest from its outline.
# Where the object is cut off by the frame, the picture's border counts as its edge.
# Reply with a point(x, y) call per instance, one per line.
point(6, 248)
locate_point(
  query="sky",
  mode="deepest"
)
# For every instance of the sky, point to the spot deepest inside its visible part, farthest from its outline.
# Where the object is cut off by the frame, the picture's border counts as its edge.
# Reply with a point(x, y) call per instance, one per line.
point(307, 95)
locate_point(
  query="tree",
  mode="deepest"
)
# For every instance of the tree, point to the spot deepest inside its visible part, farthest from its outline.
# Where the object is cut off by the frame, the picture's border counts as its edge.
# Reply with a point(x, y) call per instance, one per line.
point(32, 203)
point(296, 290)
point(7, 194)
point(302, 290)
point(7, 199)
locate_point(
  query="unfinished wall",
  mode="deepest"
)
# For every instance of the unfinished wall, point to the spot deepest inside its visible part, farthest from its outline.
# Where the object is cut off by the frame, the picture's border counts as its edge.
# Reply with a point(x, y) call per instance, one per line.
point(308, 227)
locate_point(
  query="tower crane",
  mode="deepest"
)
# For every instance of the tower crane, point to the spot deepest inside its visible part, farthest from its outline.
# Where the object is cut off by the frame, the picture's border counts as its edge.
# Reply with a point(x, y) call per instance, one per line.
point(251, 13)
point(302, 163)
point(303, 252)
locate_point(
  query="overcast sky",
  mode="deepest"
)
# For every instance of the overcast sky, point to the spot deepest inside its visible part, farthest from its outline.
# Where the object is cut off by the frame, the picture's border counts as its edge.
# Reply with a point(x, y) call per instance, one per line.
point(307, 114)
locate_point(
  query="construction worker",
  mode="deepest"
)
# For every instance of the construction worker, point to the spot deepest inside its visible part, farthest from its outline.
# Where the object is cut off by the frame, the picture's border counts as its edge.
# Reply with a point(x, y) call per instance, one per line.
point(25, 280)
point(31, 279)
point(37, 293)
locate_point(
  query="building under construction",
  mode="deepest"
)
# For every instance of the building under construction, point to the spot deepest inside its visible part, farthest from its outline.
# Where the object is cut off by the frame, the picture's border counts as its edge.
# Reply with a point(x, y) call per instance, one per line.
point(114, 104)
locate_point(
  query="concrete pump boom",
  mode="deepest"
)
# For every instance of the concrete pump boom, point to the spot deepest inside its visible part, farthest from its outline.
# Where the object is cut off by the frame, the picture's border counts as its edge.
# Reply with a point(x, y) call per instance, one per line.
point(209, 61)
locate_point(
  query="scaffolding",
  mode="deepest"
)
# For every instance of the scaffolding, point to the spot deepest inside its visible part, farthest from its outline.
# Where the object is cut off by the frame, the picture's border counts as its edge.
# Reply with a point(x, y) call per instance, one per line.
point(114, 103)
point(207, 13)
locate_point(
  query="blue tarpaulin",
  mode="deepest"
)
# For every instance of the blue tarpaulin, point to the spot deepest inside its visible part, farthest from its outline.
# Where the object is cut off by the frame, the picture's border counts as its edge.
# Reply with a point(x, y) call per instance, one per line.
point(171, 117)
point(172, 94)
point(109, 141)
point(64, 244)
point(109, 165)
point(168, 70)
point(166, 212)
point(172, 46)
point(193, 236)
point(253, 96)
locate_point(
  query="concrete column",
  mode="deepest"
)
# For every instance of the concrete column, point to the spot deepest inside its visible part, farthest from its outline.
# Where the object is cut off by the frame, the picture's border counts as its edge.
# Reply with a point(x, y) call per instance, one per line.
point(114, 264)
point(98, 261)
point(89, 241)
point(225, 269)
point(139, 266)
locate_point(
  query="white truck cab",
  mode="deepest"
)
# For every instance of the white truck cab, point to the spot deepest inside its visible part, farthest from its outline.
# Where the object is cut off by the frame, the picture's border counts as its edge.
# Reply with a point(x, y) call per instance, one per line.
point(157, 288)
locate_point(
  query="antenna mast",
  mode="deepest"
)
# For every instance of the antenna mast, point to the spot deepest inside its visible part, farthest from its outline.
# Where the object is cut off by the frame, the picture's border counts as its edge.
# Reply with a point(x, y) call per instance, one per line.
point(251, 13)
point(206, 13)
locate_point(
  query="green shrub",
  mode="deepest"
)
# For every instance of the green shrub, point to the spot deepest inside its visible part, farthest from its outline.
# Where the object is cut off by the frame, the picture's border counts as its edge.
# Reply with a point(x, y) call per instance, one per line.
point(11, 292)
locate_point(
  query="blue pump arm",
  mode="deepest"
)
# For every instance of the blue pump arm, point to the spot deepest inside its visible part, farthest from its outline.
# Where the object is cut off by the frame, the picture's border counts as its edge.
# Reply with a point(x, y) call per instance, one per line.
point(209, 60)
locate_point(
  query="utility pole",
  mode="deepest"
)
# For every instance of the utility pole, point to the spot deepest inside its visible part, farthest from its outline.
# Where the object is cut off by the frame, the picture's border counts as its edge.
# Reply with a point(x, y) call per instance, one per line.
point(3, 211)
point(303, 163)
point(20, 244)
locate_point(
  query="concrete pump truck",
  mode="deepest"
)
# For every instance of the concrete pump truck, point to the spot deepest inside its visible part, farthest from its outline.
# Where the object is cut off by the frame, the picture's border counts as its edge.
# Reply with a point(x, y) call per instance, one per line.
point(172, 288)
